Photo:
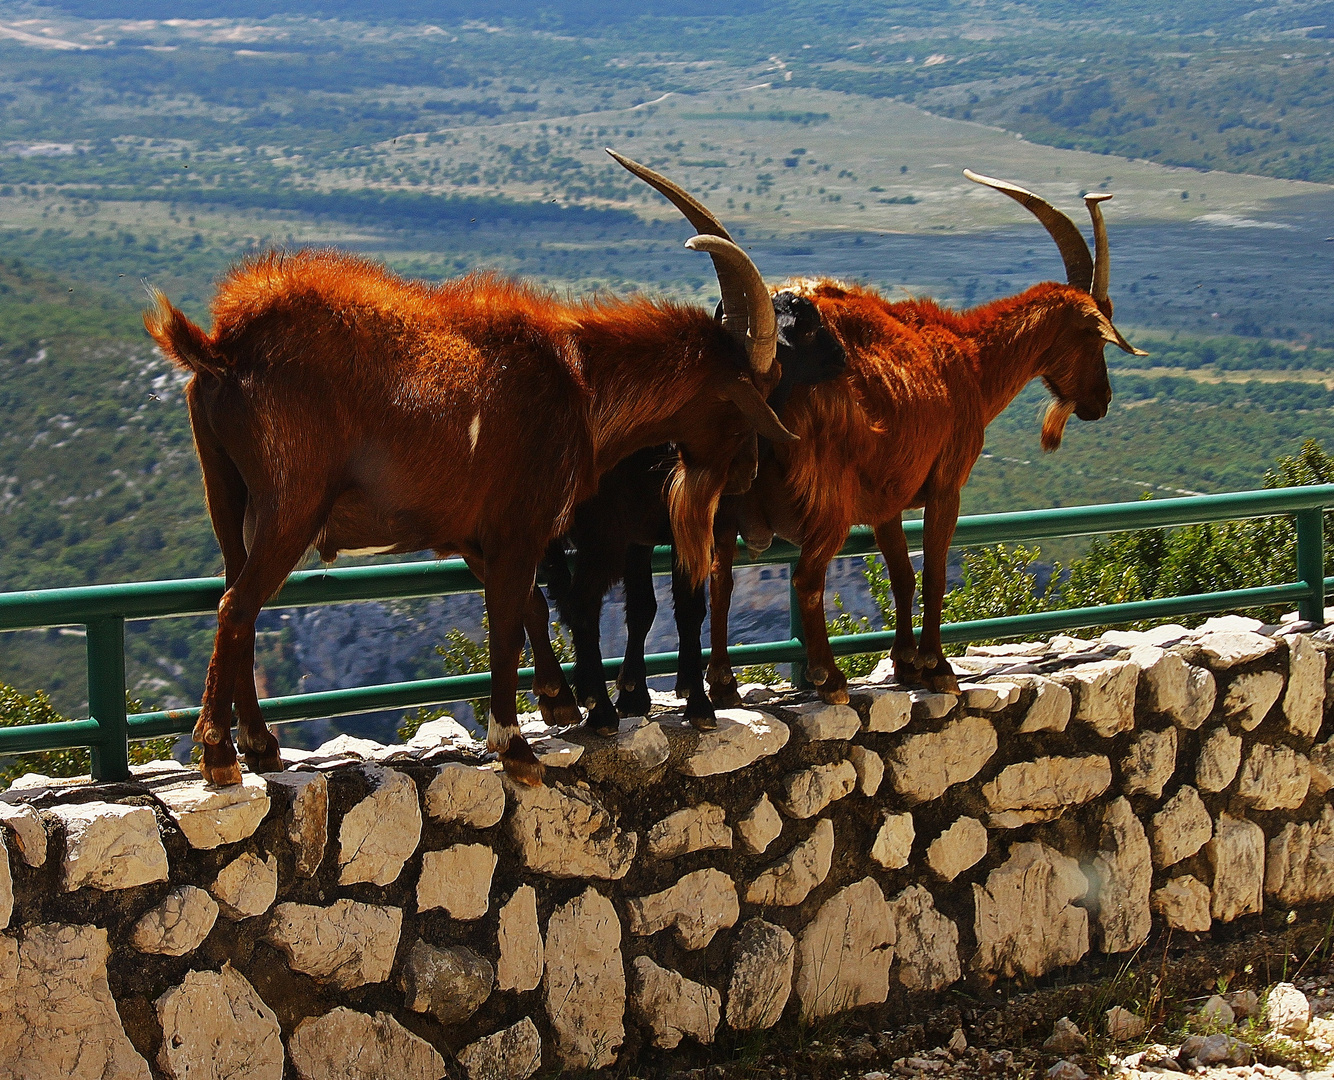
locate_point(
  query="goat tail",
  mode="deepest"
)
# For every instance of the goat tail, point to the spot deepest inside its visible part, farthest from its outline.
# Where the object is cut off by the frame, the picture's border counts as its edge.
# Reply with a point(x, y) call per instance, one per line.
point(183, 343)
point(1053, 423)
point(692, 502)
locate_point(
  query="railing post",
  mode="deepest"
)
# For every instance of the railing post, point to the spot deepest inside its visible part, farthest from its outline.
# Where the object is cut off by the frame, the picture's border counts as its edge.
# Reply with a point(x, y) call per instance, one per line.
point(799, 677)
point(106, 697)
point(1311, 562)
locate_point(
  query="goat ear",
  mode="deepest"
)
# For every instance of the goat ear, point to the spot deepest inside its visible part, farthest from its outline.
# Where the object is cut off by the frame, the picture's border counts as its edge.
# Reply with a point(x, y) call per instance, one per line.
point(1112, 336)
point(741, 392)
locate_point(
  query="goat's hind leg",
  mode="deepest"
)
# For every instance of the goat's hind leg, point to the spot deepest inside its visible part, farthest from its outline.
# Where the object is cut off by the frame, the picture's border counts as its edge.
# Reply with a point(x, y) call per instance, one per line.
point(641, 606)
point(894, 548)
point(942, 515)
point(809, 580)
point(553, 693)
point(509, 585)
point(688, 602)
point(256, 742)
point(722, 682)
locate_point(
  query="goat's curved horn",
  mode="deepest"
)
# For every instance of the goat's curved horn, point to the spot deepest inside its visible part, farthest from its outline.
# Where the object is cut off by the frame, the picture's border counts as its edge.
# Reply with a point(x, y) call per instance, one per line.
point(1102, 259)
point(700, 216)
point(762, 323)
point(1074, 248)
point(702, 220)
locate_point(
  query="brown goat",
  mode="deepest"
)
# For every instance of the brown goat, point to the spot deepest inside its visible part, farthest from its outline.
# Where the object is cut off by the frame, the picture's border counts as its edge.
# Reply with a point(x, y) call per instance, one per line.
point(338, 406)
point(903, 428)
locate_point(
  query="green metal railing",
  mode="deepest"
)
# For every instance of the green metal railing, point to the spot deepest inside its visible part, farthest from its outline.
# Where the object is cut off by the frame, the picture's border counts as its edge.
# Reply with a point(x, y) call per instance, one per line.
point(104, 609)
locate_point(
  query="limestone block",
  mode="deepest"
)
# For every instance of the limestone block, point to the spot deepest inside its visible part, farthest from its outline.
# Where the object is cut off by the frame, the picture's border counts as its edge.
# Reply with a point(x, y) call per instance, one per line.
point(109, 846)
point(60, 1019)
point(29, 832)
point(450, 983)
point(1300, 867)
point(246, 886)
point(1237, 855)
point(697, 907)
point(347, 944)
point(1123, 1025)
point(467, 794)
point(1043, 789)
point(1220, 758)
point(1304, 701)
point(761, 979)
point(1287, 1011)
point(1065, 1038)
point(989, 696)
point(457, 879)
point(644, 745)
point(1024, 918)
point(962, 845)
point(890, 710)
point(1180, 828)
point(759, 826)
point(562, 830)
point(892, 845)
point(1182, 691)
point(520, 941)
point(1184, 903)
point(1274, 778)
point(870, 769)
point(444, 731)
point(789, 881)
point(808, 791)
point(514, 1053)
point(215, 1027)
point(1121, 877)
point(844, 953)
point(212, 816)
point(584, 985)
point(178, 925)
point(923, 766)
point(1104, 694)
point(696, 828)
point(1322, 767)
point(1051, 707)
point(1224, 649)
point(742, 737)
point(671, 1006)
point(1149, 763)
point(816, 720)
point(347, 1045)
point(927, 705)
point(556, 753)
point(926, 942)
point(1250, 696)
point(381, 832)
point(307, 798)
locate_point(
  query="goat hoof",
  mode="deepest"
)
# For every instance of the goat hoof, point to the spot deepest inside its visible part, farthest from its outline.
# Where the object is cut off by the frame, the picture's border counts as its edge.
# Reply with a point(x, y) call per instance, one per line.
point(264, 758)
point(833, 696)
point(943, 683)
point(699, 711)
point(633, 701)
point(560, 710)
point(220, 775)
point(603, 720)
point(725, 695)
point(527, 771)
point(907, 674)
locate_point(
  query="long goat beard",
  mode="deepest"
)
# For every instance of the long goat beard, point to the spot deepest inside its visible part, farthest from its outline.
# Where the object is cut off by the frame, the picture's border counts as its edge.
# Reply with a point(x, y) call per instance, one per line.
point(1057, 416)
point(692, 502)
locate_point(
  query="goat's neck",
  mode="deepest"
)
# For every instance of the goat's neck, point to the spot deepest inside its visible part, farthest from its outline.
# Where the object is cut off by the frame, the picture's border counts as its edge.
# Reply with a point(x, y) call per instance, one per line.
point(1013, 346)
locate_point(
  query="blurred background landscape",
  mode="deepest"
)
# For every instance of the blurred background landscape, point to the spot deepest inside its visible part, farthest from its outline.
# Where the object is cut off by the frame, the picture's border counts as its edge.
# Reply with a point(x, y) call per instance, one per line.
point(150, 143)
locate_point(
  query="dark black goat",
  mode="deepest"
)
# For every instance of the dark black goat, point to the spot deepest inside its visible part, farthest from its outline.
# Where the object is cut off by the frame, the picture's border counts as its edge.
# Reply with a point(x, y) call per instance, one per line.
point(613, 535)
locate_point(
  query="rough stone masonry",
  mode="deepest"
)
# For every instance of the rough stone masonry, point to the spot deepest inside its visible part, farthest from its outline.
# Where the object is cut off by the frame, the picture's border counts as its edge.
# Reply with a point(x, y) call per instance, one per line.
point(385, 911)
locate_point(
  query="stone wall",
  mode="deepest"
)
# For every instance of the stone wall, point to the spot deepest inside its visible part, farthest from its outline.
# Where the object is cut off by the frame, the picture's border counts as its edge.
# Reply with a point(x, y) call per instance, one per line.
point(405, 912)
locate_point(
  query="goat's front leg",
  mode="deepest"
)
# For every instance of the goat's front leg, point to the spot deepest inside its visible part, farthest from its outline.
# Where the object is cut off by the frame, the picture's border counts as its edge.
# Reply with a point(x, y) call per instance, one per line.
point(553, 693)
point(903, 581)
point(508, 589)
point(722, 682)
point(688, 603)
point(641, 606)
point(942, 514)
point(808, 580)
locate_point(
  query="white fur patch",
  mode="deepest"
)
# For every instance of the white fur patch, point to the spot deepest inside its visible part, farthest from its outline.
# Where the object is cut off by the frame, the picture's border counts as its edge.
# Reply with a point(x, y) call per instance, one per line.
point(498, 735)
point(366, 551)
point(474, 429)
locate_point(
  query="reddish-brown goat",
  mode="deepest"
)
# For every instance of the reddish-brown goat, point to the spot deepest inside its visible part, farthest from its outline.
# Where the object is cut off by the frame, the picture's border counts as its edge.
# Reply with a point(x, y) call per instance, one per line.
point(338, 406)
point(903, 428)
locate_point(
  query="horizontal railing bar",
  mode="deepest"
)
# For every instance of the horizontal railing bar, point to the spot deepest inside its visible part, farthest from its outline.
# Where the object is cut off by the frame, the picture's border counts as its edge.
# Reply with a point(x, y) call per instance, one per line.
point(331, 703)
point(200, 596)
